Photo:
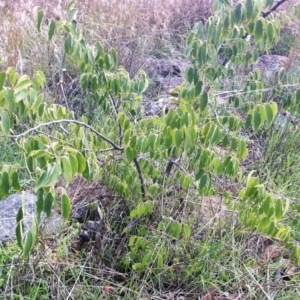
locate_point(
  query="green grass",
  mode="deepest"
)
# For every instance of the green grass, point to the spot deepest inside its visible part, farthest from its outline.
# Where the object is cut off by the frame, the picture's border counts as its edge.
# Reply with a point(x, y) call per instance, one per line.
point(225, 260)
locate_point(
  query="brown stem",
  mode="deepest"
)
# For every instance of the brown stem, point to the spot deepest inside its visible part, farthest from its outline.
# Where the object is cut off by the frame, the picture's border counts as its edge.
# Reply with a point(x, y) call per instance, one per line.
point(265, 14)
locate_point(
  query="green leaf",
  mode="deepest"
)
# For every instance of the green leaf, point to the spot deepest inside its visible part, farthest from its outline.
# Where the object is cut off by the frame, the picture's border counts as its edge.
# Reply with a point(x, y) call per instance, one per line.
point(72, 13)
point(114, 55)
point(28, 244)
point(48, 202)
point(242, 150)
point(51, 30)
point(296, 254)
point(115, 84)
point(40, 201)
point(15, 181)
point(202, 54)
point(251, 181)
point(190, 135)
point(2, 79)
point(249, 9)
point(4, 187)
point(198, 88)
point(40, 17)
point(256, 120)
point(69, 44)
point(31, 163)
point(203, 101)
point(258, 31)
point(190, 75)
point(263, 223)
point(38, 153)
point(100, 51)
point(274, 108)
point(107, 62)
point(42, 180)
point(65, 206)
point(178, 138)
point(174, 229)
point(298, 95)
point(270, 32)
point(23, 83)
point(132, 143)
point(248, 121)
point(269, 114)
point(262, 113)
point(34, 231)
point(13, 76)
point(73, 163)
point(10, 100)
point(129, 154)
point(40, 78)
point(225, 26)
point(81, 162)
point(67, 169)
point(84, 81)
point(210, 74)
point(94, 83)
point(5, 122)
point(186, 231)
point(266, 206)
point(203, 181)
point(87, 171)
point(238, 13)
point(278, 209)
point(160, 260)
point(54, 173)
point(271, 229)
point(127, 133)
point(19, 228)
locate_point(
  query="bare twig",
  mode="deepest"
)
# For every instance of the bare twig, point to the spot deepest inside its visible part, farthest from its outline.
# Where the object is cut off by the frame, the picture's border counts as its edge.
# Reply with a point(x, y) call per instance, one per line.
point(258, 284)
point(61, 84)
point(265, 14)
point(116, 147)
point(113, 102)
point(138, 168)
point(171, 162)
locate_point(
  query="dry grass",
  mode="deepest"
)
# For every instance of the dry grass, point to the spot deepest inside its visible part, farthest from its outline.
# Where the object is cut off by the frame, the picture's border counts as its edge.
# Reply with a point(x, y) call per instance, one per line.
point(136, 28)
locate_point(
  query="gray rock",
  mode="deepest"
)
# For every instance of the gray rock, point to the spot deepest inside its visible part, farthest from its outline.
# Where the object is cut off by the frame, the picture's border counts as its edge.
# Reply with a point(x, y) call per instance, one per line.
point(165, 74)
point(155, 107)
point(269, 65)
point(8, 212)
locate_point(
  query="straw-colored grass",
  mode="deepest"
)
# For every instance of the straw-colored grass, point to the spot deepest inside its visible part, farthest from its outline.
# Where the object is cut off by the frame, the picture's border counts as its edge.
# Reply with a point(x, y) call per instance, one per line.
point(136, 28)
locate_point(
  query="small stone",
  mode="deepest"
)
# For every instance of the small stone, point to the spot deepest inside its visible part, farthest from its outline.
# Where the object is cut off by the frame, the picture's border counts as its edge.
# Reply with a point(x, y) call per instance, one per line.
point(9, 208)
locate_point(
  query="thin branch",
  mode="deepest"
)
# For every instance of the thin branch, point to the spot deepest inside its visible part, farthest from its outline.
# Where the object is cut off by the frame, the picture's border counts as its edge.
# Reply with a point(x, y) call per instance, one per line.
point(181, 168)
point(138, 168)
point(113, 102)
point(173, 160)
point(265, 14)
point(61, 84)
point(116, 147)
point(241, 92)
point(106, 150)
point(258, 284)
